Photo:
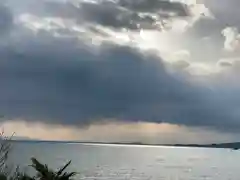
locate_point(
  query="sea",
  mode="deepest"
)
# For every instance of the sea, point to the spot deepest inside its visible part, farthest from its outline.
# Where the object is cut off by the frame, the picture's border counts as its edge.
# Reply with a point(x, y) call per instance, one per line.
point(132, 162)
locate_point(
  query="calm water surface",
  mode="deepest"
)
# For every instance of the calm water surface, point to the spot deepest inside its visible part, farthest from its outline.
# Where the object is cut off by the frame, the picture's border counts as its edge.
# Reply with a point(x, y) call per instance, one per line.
point(117, 162)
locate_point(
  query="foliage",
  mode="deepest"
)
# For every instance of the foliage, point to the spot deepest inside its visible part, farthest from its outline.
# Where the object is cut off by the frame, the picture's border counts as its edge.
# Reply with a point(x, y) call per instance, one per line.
point(18, 175)
point(5, 148)
point(43, 172)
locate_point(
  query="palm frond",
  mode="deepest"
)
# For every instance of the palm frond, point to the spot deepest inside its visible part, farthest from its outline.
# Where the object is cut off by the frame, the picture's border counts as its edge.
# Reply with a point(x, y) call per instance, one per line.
point(63, 168)
point(44, 173)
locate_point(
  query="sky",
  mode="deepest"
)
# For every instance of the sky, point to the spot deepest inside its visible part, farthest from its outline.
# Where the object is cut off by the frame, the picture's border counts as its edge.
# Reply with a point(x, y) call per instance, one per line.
point(151, 71)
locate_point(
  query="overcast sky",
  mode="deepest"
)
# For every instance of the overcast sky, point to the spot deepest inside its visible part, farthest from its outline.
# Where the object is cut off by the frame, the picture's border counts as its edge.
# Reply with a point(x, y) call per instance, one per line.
point(116, 70)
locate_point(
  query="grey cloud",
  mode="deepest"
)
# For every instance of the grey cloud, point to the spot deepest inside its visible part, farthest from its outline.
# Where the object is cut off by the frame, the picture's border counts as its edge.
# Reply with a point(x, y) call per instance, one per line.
point(115, 14)
point(127, 13)
point(110, 15)
point(236, 66)
point(181, 64)
point(56, 81)
point(226, 12)
point(64, 81)
point(232, 39)
point(233, 64)
point(155, 6)
point(6, 20)
point(204, 40)
point(225, 64)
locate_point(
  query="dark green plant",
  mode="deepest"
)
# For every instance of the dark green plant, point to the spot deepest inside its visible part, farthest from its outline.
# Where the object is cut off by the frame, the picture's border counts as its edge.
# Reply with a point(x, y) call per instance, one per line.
point(19, 175)
point(5, 149)
point(3, 177)
point(44, 173)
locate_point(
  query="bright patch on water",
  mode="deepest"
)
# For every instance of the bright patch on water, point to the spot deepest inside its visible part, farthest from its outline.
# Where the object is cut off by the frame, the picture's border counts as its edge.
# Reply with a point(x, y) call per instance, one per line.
point(117, 162)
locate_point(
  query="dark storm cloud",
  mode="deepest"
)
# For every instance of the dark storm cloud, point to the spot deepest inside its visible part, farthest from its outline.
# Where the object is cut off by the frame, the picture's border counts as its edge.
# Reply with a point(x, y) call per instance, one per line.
point(155, 6)
point(64, 81)
point(6, 20)
point(55, 81)
point(115, 14)
point(127, 13)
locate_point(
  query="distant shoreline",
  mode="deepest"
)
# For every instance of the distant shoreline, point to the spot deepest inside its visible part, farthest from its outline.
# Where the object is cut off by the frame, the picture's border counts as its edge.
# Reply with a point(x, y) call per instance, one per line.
point(234, 145)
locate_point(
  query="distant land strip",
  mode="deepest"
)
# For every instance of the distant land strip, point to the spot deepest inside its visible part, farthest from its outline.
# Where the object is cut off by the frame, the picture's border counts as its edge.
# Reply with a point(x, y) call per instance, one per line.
point(233, 145)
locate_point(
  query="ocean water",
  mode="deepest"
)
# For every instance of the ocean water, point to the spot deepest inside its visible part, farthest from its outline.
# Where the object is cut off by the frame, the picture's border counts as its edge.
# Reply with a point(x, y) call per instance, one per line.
point(119, 162)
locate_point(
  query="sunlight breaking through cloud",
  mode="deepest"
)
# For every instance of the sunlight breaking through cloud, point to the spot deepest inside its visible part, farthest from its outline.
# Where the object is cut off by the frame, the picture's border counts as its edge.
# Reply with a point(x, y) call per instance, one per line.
point(81, 62)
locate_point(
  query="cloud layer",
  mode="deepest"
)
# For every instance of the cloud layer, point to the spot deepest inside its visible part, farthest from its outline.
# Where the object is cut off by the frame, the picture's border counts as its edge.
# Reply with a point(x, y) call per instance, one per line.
point(87, 62)
point(6, 20)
